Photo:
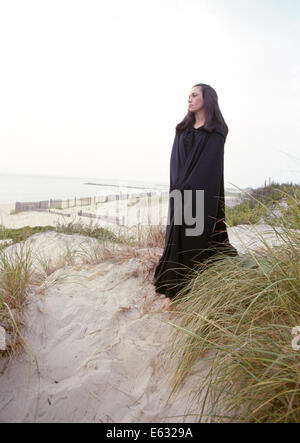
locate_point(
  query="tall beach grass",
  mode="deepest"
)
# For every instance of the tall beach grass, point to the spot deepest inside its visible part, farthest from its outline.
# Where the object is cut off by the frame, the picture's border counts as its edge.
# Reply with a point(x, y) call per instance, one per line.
point(239, 314)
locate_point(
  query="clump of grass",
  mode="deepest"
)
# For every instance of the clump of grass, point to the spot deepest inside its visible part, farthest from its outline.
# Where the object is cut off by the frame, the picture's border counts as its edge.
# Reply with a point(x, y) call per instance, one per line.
point(15, 277)
point(272, 193)
point(239, 313)
point(97, 252)
point(150, 235)
point(244, 213)
point(92, 230)
point(21, 234)
point(261, 204)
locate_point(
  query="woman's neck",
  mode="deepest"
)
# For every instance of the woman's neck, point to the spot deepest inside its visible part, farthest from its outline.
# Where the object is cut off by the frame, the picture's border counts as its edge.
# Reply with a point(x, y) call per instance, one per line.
point(199, 118)
point(198, 125)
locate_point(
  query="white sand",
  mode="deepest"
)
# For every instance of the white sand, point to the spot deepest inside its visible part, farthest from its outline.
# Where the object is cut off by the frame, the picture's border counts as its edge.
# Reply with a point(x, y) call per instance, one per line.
point(98, 336)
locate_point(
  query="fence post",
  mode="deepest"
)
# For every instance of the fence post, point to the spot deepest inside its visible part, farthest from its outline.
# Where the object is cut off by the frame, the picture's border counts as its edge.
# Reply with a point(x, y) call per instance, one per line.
point(149, 203)
point(160, 209)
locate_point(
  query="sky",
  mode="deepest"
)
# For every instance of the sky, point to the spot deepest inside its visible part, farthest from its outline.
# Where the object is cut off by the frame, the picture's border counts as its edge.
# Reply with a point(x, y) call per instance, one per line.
point(95, 88)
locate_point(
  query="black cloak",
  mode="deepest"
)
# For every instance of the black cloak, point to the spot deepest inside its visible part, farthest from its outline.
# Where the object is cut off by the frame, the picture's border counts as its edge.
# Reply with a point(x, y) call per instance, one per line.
point(197, 163)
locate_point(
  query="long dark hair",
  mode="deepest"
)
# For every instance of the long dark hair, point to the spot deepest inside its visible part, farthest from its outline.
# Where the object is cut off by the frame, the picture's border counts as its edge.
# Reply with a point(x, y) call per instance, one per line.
point(213, 115)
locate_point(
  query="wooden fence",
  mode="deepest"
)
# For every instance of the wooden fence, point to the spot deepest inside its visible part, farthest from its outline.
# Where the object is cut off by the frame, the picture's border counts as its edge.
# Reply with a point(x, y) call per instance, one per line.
point(54, 204)
point(71, 203)
point(51, 205)
point(117, 220)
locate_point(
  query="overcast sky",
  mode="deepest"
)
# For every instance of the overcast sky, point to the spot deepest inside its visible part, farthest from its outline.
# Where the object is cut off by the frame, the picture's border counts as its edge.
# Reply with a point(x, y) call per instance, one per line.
point(96, 88)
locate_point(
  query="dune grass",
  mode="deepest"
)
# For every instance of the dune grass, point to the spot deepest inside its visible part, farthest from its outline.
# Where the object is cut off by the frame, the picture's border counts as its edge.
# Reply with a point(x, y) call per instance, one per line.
point(262, 202)
point(239, 313)
point(15, 276)
point(21, 234)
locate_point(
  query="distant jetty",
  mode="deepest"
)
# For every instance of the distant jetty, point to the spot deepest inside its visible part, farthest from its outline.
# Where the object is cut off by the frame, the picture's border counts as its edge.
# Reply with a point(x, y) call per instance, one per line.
point(117, 186)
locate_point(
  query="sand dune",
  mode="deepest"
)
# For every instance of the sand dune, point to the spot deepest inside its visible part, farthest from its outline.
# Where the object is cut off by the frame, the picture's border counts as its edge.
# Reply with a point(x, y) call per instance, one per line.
point(100, 343)
point(98, 335)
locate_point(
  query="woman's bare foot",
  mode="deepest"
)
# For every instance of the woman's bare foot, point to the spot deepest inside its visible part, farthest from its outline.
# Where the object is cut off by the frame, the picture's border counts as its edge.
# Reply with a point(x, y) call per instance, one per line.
point(165, 304)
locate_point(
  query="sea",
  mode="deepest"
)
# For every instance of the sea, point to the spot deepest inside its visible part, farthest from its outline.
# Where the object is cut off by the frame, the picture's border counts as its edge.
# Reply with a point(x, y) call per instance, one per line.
point(31, 188)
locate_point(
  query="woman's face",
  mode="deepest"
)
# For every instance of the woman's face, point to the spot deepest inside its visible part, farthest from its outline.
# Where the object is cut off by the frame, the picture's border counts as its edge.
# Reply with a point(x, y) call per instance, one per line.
point(196, 101)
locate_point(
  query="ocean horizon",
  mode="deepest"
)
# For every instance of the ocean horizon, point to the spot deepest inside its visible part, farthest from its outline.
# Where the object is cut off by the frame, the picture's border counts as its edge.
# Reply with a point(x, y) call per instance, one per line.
point(31, 187)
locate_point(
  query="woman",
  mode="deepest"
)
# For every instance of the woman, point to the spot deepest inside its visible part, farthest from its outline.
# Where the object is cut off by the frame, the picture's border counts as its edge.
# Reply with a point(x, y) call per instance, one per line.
point(197, 160)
